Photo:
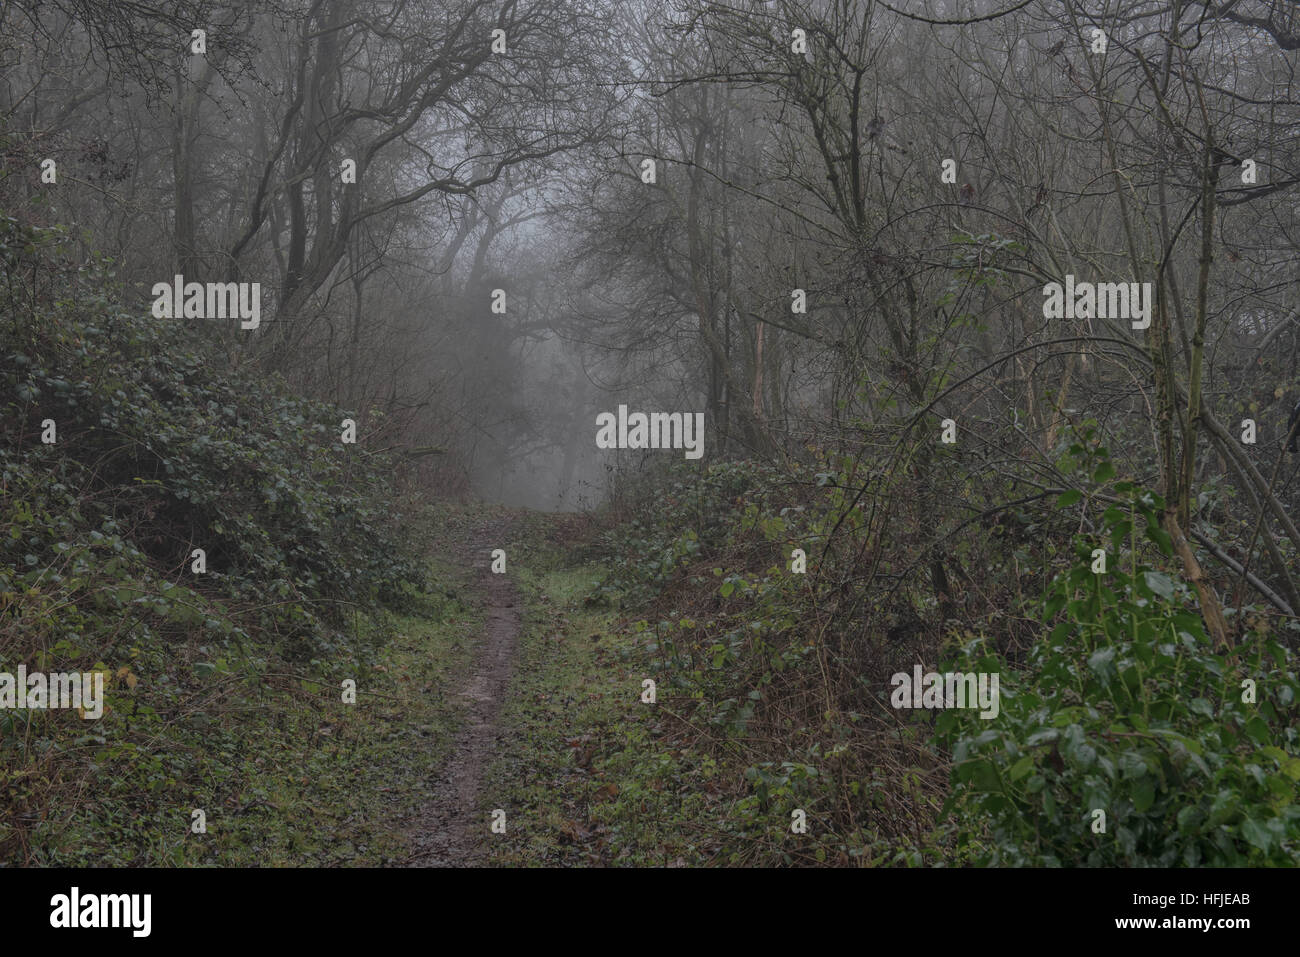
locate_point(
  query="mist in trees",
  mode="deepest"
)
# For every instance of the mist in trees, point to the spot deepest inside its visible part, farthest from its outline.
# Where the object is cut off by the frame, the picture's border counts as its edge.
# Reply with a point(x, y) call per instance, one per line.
point(826, 225)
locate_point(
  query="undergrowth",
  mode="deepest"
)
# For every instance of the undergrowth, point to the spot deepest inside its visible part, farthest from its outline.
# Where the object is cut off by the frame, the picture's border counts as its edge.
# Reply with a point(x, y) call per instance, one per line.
point(127, 447)
point(1112, 699)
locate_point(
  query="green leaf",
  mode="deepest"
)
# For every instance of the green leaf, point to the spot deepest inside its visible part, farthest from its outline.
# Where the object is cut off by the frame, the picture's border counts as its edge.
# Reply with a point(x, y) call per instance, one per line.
point(984, 777)
point(1257, 728)
point(1188, 816)
point(1144, 794)
point(1021, 768)
point(1256, 834)
point(1100, 660)
point(1160, 584)
point(1068, 498)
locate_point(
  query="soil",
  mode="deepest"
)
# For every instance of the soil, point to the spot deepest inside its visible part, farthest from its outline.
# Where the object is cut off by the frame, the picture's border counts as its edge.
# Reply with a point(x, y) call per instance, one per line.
point(450, 830)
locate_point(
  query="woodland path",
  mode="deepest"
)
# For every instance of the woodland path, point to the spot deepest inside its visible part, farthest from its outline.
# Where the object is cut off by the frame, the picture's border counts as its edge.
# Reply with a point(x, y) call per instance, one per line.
point(450, 829)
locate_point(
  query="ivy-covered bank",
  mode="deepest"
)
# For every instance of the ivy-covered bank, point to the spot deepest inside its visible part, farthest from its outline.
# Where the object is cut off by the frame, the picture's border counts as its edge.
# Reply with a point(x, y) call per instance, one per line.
point(131, 457)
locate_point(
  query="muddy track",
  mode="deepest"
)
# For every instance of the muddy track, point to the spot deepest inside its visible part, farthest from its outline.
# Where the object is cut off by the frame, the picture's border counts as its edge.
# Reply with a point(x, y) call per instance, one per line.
point(451, 829)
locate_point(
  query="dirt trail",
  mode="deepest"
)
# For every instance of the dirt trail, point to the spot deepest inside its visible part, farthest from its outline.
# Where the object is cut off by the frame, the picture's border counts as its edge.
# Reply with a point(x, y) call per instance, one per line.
point(451, 829)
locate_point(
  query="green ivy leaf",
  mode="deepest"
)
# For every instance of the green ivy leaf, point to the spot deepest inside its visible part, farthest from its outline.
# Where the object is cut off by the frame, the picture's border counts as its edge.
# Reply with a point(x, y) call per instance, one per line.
point(1160, 584)
point(1257, 728)
point(1256, 834)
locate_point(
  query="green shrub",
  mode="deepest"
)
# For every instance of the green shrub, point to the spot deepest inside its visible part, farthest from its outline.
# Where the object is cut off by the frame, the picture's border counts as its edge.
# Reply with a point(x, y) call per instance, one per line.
point(1124, 707)
point(162, 448)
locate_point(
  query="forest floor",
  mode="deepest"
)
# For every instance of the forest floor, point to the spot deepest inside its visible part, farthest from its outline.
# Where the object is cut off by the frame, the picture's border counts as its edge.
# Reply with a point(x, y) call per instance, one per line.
point(552, 739)
point(512, 697)
point(446, 832)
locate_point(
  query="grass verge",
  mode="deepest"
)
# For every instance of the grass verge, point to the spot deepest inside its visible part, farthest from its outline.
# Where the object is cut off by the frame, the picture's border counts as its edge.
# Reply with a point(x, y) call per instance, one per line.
point(588, 773)
point(284, 772)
